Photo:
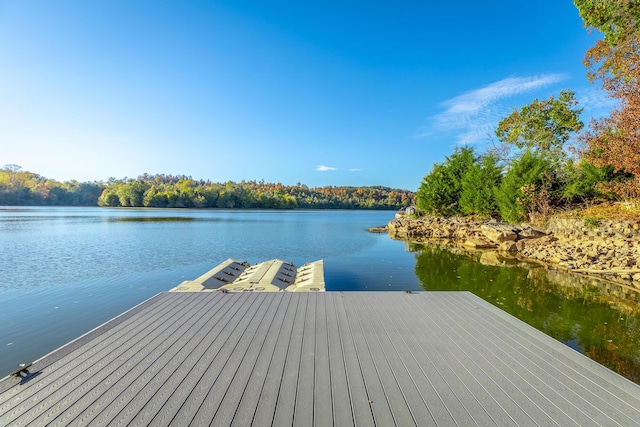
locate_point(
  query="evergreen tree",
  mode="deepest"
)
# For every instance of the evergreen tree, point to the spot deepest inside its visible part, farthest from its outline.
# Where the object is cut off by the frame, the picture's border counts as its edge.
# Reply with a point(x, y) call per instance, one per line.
point(441, 189)
point(584, 181)
point(525, 187)
point(478, 187)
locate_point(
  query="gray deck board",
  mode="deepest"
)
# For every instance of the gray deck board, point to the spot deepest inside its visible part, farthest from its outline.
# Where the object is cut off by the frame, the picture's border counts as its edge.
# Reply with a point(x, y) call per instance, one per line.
point(221, 325)
point(558, 373)
point(380, 406)
point(334, 358)
point(106, 390)
point(423, 397)
point(163, 401)
point(440, 316)
point(394, 395)
point(538, 372)
point(244, 411)
point(146, 395)
point(360, 397)
point(341, 409)
point(565, 362)
point(236, 368)
point(251, 360)
point(143, 364)
point(430, 347)
point(266, 404)
point(104, 394)
point(322, 400)
point(304, 398)
point(488, 406)
point(286, 402)
point(503, 391)
point(206, 394)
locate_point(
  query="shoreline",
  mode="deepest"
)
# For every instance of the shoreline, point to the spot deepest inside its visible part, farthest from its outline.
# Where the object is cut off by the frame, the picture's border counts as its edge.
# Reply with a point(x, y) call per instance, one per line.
point(609, 250)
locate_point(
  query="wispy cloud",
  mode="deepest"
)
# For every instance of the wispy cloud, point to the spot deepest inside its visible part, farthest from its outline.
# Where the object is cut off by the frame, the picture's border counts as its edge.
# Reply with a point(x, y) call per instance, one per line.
point(473, 115)
point(323, 168)
point(596, 102)
point(355, 170)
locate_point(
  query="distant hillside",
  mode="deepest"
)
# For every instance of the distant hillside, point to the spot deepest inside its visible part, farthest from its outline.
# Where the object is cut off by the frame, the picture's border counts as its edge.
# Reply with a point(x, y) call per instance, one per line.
point(20, 188)
point(163, 191)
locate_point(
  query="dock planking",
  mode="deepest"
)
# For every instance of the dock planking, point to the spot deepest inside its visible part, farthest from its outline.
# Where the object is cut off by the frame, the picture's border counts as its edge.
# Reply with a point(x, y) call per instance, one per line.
point(334, 358)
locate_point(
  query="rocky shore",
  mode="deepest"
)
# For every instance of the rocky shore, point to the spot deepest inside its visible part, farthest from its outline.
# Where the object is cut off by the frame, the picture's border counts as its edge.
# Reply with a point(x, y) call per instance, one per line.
point(608, 249)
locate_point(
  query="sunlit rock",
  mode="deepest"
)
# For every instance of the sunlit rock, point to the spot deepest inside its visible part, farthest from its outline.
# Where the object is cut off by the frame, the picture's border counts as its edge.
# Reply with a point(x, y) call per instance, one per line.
point(499, 232)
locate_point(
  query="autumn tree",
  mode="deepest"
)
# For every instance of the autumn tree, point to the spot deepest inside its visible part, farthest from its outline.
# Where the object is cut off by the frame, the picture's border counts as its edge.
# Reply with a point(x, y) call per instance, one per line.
point(615, 140)
point(619, 22)
point(15, 182)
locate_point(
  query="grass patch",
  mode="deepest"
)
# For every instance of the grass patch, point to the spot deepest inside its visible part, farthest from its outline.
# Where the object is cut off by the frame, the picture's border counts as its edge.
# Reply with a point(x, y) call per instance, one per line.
point(612, 211)
point(592, 222)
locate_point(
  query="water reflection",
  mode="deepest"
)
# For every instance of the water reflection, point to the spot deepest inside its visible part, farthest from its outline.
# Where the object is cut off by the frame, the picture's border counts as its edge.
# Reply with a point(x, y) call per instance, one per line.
point(597, 318)
point(181, 219)
point(157, 219)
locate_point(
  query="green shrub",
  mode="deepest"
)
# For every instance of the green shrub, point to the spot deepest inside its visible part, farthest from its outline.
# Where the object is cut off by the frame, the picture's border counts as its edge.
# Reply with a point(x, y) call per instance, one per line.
point(524, 187)
point(441, 189)
point(479, 184)
point(583, 179)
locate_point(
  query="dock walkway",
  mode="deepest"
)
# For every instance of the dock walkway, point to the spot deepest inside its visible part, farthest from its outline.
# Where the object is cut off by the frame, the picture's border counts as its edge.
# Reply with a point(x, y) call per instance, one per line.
point(332, 358)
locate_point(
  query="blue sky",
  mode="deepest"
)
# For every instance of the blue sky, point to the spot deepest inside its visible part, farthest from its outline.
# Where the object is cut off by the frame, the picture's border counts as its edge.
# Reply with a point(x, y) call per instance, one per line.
point(317, 92)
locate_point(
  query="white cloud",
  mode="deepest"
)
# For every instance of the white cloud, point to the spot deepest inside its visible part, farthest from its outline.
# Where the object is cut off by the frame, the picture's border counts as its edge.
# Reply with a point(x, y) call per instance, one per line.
point(473, 101)
point(323, 168)
point(596, 102)
point(355, 170)
point(473, 115)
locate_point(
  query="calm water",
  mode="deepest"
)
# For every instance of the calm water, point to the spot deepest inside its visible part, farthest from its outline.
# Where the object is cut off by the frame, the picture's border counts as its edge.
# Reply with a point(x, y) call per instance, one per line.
point(66, 270)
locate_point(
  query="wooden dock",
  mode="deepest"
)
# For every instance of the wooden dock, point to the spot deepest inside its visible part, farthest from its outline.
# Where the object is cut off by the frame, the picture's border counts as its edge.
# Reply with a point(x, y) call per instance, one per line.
point(334, 358)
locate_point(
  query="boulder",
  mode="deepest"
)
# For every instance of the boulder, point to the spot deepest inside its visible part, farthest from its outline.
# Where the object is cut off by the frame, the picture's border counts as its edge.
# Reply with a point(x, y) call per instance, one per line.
point(542, 241)
point(378, 229)
point(530, 233)
point(499, 232)
point(443, 232)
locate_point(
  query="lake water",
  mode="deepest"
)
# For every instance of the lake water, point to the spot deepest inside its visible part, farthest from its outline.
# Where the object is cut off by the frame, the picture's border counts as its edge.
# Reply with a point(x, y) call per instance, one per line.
point(65, 271)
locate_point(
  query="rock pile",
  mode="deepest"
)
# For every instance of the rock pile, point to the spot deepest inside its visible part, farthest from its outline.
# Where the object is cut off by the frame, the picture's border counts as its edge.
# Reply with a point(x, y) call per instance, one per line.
point(609, 249)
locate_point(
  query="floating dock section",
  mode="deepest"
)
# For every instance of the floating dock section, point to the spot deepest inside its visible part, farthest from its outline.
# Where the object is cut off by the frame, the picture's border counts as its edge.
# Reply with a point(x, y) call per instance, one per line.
point(269, 276)
point(324, 358)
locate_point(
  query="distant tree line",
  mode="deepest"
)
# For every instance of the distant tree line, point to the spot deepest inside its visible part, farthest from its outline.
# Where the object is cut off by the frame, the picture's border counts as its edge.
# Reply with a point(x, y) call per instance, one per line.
point(167, 191)
point(19, 188)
